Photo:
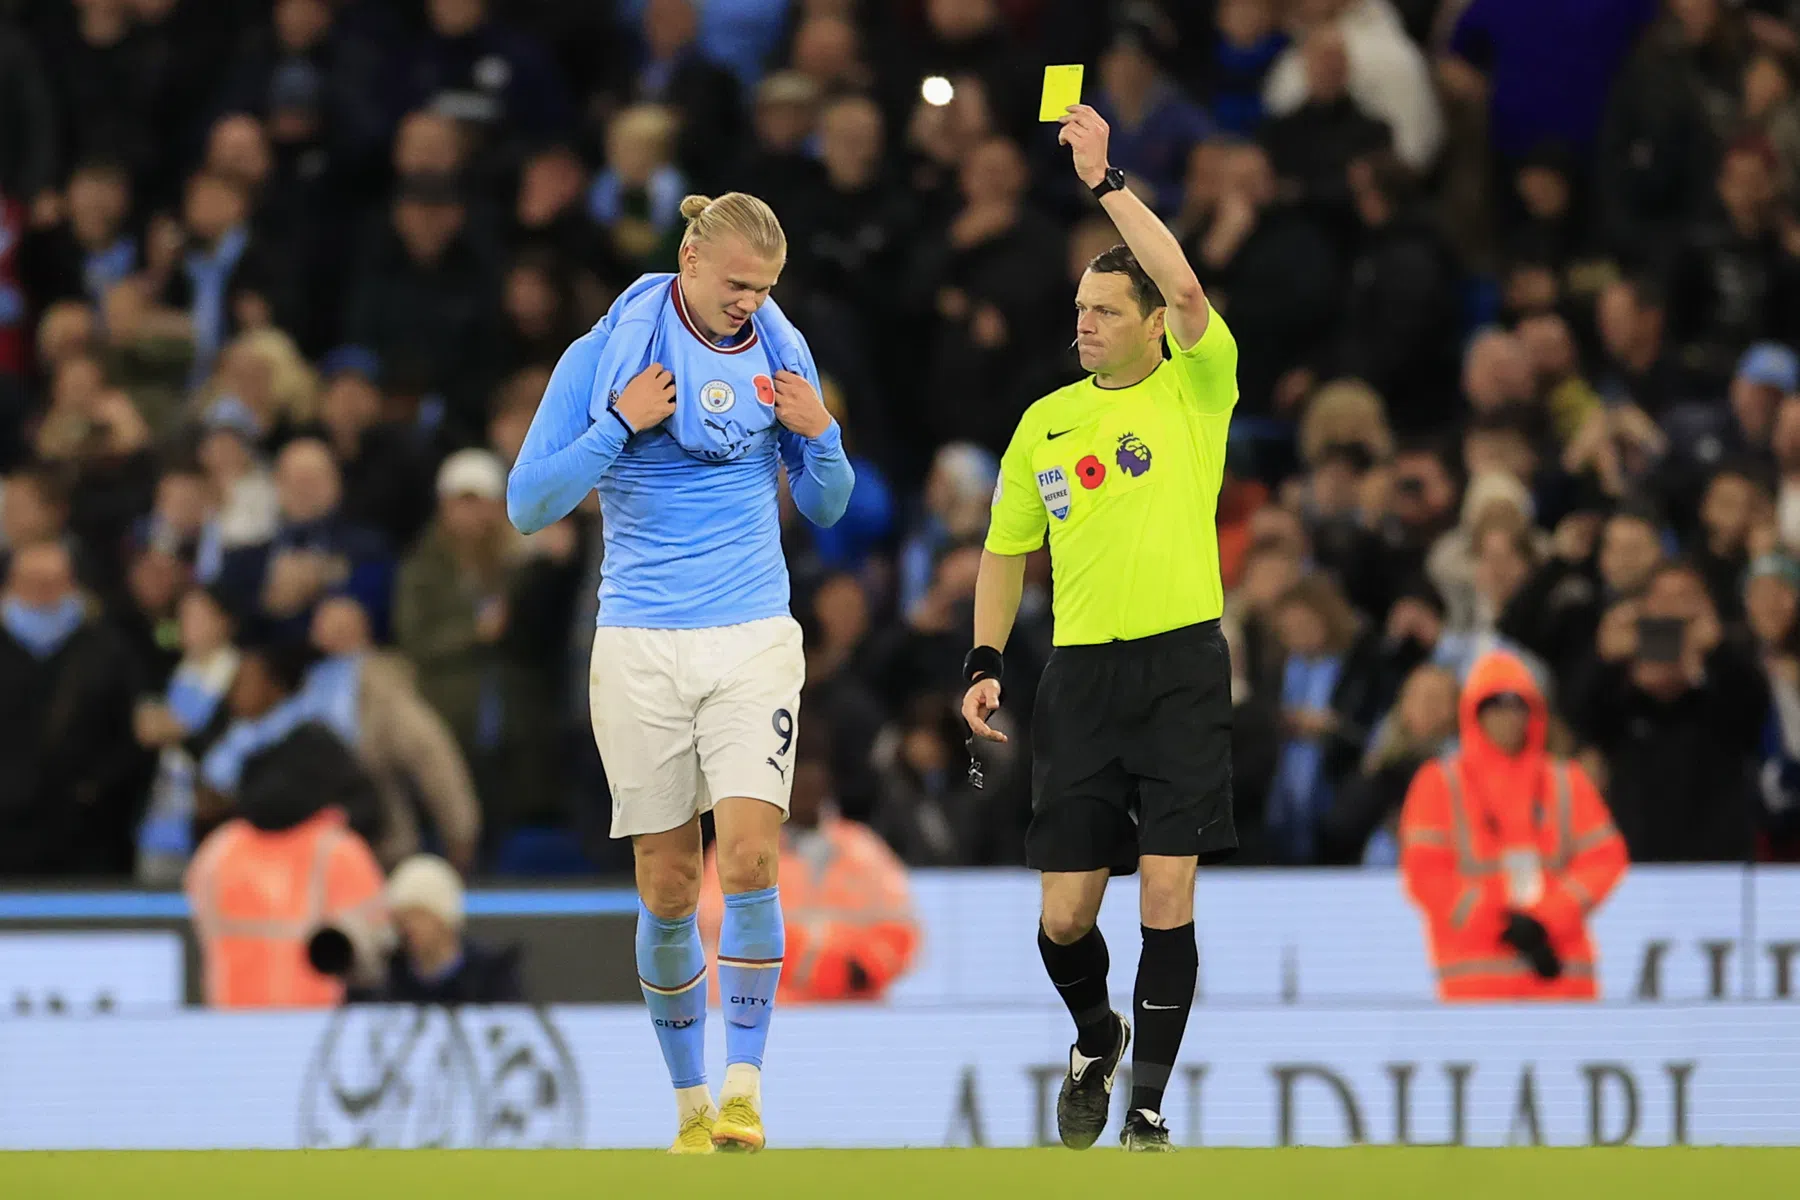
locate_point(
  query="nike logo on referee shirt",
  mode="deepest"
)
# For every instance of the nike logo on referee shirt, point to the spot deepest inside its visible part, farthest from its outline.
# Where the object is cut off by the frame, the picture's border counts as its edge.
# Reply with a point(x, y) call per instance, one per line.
point(1052, 437)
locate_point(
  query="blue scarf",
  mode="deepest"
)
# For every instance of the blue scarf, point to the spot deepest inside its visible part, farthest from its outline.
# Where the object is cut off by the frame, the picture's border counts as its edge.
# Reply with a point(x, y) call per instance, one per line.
point(1299, 795)
point(103, 268)
point(208, 273)
point(606, 202)
point(43, 631)
point(193, 696)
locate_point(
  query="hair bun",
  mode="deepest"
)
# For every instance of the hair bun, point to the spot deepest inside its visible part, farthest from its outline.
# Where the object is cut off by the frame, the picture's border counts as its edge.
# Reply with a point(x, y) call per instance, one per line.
point(693, 206)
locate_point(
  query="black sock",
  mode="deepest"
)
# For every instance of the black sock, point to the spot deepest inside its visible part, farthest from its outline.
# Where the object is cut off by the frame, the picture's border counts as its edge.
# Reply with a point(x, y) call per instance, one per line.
point(1167, 972)
point(1079, 972)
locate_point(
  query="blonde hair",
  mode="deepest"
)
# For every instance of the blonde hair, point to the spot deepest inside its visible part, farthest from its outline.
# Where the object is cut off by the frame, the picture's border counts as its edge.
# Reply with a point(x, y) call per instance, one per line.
point(733, 213)
point(293, 384)
point(1345, 410)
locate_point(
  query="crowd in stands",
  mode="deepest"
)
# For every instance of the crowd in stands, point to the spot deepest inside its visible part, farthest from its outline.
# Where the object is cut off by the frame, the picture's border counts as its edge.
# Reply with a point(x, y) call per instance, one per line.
point(1515, 283)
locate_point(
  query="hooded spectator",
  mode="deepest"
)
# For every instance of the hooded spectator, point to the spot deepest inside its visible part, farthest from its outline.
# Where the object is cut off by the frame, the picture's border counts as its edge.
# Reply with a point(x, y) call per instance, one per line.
point(1506, 852)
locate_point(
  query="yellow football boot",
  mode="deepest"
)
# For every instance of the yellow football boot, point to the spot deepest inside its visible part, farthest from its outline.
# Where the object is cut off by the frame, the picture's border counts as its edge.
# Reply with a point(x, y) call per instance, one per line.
point(696, 1136)
point(739, 1129)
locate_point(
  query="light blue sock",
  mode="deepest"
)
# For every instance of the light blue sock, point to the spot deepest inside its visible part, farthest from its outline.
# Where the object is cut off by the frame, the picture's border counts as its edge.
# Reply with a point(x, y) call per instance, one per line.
point(751, 943)
point(672, 971)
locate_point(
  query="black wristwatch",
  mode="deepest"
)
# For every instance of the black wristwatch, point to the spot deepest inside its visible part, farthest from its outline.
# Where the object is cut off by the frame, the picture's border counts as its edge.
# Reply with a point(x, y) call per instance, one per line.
point(1112, 181)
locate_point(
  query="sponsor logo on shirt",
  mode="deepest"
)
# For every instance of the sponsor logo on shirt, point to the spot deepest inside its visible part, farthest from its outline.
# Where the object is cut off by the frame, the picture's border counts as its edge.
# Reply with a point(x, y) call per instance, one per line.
point(1053, 486)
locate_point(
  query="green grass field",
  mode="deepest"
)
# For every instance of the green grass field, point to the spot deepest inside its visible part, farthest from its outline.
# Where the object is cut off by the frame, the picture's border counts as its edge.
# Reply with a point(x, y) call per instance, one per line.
point(1390, 1174)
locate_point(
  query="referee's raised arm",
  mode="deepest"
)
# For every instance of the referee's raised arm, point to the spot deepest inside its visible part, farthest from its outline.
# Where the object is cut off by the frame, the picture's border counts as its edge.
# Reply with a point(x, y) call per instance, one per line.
point(1086, 132)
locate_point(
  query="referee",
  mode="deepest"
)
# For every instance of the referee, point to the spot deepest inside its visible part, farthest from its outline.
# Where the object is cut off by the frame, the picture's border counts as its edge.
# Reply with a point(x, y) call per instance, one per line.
point(1131, 770)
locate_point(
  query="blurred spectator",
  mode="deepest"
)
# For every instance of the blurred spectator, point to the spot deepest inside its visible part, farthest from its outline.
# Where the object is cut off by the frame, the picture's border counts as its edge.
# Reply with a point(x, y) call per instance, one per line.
point(1246, 48)
point(928, 811)
point(1736, 281)
point(1400, 335)
point(538, 301)
point(514, 404)
point(1772, 113)
point(737, 34)
point(837, 683)
point(1355, 54)
point(210, 268)
point(1771, 598)
point(384, 477)
point(249, 508)
point(91, 248)
point(828, 50)
point(75, 775)
point(675, 72)
point(314, 552)
point(477, 611)
point(856, 222)
point(179, 728)
point(434, 962)
point(1312, 143)
point(1671, 107)
point(958, 494)
point(1635, 368)
point(549, 214)
point(261, 883)
point(28, 127)
point(1556, 367)
point(1271, 262)
point(1735, 504)
point(969, 37)
point(1362, 825)
point(1154, 126)
point(494, 79)
point(424, 298)
point(1494, 496)
point(1507, 852)
point(1678, 712)
point(991, 276)
point(106, 84)
point(844, 897)
point(637, 197)
point(778, 164)
point(370, 699)
point(1329, 699)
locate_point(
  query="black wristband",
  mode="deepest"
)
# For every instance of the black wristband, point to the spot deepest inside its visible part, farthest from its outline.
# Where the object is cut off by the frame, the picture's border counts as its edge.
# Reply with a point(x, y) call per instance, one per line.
point(620, 418)
point(983, 662)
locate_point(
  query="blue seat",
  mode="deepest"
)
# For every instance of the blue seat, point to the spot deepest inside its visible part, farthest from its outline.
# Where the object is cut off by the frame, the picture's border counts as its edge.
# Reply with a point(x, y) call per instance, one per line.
point(540, 852)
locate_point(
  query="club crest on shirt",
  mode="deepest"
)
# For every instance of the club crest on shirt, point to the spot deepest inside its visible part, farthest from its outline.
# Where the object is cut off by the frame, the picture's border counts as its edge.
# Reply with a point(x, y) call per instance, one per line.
point(716, 396)
point(1053, 486)
point(1133, 456)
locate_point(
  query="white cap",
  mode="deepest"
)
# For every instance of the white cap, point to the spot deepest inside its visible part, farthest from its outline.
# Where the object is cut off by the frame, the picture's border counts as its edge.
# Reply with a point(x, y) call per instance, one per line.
point(428, 882)
point(472, 473)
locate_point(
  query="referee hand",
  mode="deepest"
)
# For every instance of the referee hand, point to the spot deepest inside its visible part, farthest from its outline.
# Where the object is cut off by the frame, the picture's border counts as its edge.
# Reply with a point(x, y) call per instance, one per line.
point(1085, 132)
point(980, 702)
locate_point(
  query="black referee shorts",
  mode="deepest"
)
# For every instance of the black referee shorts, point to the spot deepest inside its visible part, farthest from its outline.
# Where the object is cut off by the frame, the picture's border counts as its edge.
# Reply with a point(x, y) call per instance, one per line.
point(1131, 753)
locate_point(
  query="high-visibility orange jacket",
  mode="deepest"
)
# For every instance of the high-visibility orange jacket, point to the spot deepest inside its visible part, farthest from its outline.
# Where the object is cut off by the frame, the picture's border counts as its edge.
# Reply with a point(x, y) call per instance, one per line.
point(846, 907)
point(1484, 834)
point(257, 896)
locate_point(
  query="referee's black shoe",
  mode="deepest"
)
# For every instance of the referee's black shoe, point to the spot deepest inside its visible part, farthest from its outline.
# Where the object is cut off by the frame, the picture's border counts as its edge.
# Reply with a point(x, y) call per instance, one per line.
point(1082, 1105)
point(1145, 1132)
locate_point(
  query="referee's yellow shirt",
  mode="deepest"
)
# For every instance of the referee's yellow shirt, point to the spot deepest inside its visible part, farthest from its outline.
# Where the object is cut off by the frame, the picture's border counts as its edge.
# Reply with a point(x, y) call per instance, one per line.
point(1126, 481)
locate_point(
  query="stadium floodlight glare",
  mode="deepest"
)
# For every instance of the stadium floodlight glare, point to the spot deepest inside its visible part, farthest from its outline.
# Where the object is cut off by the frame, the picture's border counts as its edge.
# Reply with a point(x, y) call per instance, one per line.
point(936, 91)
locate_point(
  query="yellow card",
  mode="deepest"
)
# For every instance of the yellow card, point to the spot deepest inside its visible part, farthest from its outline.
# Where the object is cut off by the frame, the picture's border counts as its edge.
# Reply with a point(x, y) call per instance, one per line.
point(1062, 87)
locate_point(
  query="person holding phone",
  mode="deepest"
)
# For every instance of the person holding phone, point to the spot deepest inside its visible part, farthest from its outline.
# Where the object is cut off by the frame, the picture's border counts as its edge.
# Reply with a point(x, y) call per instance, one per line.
point(1677, 710)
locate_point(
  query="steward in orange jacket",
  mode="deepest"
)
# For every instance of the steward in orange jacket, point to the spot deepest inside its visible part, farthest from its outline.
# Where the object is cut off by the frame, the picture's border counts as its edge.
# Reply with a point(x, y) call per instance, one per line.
point(851, 931)
point(1506, 851)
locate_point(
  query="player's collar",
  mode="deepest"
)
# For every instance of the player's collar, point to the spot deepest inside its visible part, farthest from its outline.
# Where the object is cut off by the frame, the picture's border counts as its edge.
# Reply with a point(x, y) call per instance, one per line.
point(693, 326)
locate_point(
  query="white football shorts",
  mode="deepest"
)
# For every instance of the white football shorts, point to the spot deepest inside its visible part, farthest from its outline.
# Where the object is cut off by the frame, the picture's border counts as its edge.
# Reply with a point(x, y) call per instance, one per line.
point(686, 717)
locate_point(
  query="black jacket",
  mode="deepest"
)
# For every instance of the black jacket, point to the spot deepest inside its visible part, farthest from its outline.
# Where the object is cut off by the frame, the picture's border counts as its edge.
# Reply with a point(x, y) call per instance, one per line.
point(75, 779)
point(1682, 785)
point(482, 976)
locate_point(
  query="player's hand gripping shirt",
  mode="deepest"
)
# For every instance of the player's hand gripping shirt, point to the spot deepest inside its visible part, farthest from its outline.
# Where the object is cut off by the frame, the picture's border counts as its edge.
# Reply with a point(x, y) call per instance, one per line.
point(693, 534)
point(1126, 482)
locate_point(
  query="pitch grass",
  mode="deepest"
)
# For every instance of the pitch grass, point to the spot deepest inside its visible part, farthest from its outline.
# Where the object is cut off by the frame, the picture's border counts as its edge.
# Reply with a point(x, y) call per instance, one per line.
point(1376, 1172)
